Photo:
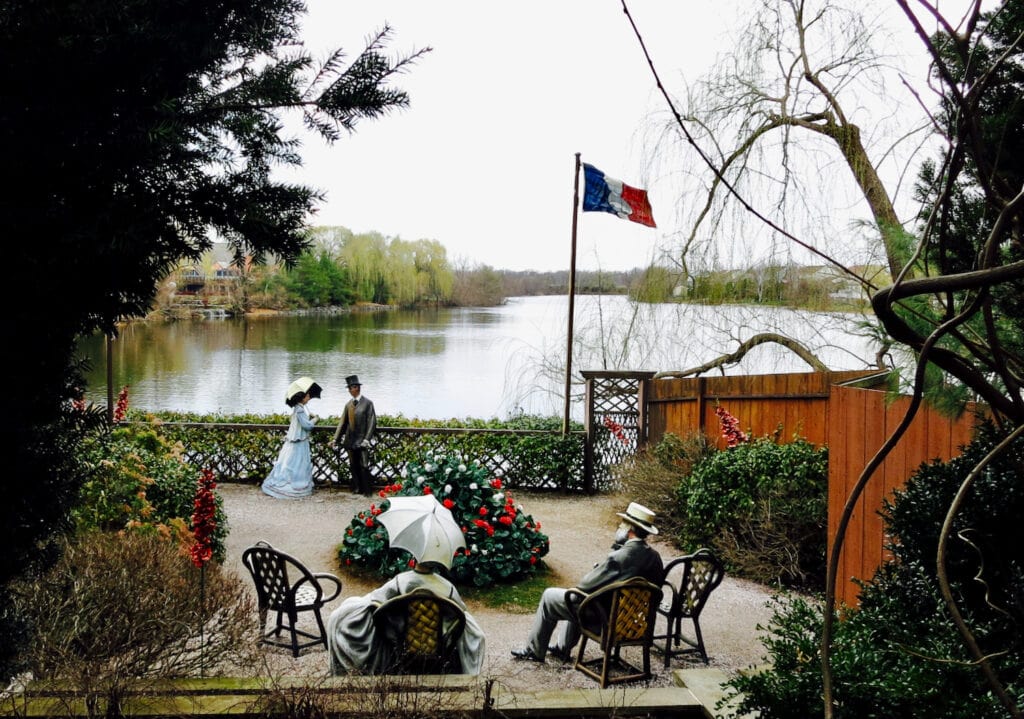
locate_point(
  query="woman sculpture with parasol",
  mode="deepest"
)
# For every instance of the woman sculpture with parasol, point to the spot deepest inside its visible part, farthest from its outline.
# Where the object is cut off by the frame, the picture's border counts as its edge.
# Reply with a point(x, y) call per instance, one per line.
point(425, 528)
point(292, 474)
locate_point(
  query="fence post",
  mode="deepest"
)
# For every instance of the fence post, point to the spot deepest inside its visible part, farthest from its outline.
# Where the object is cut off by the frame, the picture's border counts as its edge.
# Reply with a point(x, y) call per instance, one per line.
point(588, 428)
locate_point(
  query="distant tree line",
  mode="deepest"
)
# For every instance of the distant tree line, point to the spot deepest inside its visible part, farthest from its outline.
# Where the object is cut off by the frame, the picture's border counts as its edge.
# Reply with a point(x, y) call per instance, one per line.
point(342, 268)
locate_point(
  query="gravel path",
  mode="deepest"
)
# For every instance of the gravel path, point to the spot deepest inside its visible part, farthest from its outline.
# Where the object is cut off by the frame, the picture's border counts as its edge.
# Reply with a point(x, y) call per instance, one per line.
point(580, 529)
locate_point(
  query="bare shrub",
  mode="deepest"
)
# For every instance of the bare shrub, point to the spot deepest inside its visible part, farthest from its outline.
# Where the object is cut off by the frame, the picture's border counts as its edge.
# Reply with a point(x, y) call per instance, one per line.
point(655, 472)
point(119, 608)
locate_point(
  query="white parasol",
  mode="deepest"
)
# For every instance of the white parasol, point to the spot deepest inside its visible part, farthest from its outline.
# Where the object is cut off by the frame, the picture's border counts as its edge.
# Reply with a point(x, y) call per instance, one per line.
point(424, 527)
point(303, 385)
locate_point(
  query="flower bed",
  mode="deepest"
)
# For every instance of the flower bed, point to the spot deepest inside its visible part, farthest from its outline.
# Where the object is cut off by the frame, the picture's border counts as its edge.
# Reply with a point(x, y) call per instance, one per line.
point(502, 541)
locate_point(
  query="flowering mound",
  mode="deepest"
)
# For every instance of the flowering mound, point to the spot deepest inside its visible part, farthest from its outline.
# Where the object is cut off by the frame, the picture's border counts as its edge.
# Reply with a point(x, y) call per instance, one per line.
point(502, 543)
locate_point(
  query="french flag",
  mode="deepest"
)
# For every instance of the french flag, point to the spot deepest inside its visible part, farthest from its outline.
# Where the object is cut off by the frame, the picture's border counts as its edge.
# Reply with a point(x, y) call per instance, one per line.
point(606, 194)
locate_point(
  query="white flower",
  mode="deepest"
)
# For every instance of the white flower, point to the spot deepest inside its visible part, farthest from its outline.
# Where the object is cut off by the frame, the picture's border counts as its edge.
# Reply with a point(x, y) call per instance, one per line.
point(472, 485)
point(447, 489)
point(462, 468)
point(447, 471)
point(483, 552)
point(499, 496)
point(405, 472)
point(474, 549)
point(499, 472)
point(476, 462)
point(419, 480)
point(428, 467)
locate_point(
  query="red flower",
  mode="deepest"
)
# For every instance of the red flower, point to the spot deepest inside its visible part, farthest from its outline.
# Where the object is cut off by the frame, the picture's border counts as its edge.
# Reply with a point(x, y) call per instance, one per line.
point(533, 559)
point(369, 521)
point(412, 563)
point(382, 493)
point(121, 408)
point(204, 521)
point(448, 503)
point(348, 561)
point(427, 489)
point(480, 523)
point(616, 429)
point(483, 511)
point(490, 530)
point(496, 483)
point(506, 520)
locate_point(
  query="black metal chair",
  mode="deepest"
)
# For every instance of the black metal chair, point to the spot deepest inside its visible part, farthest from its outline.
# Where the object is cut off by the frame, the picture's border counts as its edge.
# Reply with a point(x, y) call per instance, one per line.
point(421, 632)
point(689, 582)
point(285, 586)
point(619, 615)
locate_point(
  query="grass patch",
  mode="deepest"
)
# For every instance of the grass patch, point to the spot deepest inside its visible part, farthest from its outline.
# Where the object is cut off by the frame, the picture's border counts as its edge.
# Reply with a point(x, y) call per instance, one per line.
point(520, 597)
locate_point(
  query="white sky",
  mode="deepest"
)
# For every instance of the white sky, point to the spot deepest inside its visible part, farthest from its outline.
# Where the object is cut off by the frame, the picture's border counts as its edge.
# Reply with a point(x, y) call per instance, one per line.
point(483, 159)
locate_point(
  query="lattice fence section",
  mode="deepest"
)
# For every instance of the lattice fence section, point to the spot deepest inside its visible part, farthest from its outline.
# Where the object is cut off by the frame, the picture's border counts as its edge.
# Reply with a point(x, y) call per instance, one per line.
point(237, 452)
point(616, 419)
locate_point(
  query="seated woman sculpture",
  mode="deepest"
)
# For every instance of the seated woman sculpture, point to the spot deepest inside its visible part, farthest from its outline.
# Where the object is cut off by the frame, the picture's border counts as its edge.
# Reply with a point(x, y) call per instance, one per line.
point(353, 644)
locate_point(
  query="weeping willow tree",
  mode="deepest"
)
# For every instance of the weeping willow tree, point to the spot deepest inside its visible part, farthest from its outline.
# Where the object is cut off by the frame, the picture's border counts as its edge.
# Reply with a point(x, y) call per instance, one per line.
point(795, 99)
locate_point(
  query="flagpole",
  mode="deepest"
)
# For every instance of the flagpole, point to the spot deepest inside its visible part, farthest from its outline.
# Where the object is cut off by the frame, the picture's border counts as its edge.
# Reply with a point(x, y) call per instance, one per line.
point(572, 296)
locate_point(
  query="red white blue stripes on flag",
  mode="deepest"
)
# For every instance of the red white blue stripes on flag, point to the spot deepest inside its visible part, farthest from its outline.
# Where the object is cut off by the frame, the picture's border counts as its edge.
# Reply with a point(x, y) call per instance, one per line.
point(606, 194)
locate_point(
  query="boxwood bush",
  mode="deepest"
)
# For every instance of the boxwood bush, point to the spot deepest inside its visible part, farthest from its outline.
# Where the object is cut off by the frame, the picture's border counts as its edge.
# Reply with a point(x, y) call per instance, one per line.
point(763, 507)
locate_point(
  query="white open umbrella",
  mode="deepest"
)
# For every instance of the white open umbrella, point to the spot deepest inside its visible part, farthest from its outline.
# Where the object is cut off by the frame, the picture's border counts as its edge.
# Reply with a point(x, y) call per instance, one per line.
point(424, 527)
point(303, 384)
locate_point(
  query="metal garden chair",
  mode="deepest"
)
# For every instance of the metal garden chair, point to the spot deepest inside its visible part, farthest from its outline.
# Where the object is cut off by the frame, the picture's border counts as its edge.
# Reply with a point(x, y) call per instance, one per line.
point(285, 586)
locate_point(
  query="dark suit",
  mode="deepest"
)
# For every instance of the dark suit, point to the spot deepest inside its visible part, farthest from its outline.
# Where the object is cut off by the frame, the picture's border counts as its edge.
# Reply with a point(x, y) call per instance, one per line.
point(633, 559)
point(358, 423)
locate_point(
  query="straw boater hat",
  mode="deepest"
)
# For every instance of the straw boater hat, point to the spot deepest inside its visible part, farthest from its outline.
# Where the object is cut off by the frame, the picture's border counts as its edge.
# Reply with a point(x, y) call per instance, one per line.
point(641, 516)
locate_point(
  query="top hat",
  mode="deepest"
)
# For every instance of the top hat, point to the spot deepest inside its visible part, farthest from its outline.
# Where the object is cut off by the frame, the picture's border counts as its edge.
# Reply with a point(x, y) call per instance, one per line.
point(352, 381)
point(641, 516)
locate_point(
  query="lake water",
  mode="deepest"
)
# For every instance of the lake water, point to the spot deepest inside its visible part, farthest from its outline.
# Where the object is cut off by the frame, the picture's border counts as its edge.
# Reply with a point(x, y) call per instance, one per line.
point(448, 363)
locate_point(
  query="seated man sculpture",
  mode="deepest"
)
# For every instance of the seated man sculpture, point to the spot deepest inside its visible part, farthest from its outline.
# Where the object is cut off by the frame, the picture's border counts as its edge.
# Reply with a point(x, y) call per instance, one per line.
point(631, 556)
point(353, 644)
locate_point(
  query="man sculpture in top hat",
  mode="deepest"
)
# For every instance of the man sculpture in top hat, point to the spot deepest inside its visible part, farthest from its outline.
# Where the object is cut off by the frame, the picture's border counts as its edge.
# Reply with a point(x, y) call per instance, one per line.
point(358, 423)
point(631, 556)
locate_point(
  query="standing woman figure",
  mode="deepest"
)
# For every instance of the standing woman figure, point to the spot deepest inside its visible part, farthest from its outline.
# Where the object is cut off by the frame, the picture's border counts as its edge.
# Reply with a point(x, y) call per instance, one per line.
point(292, 475)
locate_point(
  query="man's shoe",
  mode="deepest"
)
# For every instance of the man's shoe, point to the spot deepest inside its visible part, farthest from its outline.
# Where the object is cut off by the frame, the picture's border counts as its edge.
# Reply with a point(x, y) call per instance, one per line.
point(562, 655)
point(526, 655)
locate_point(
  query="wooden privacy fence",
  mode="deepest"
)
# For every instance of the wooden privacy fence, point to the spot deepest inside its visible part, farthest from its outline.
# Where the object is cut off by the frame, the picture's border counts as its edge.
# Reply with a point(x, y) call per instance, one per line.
point(860, 422)
point(792, 404)
point(840, 410)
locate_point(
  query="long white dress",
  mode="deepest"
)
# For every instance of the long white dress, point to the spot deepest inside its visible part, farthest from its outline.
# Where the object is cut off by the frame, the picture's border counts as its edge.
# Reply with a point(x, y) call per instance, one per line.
point(292, 475)
point(354, 647)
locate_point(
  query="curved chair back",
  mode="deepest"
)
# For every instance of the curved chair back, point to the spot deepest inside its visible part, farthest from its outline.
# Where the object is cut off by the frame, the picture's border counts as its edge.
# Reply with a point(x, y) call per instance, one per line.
point(688, 582)
point(284, 585)
point(421, 631)
point(622, 614)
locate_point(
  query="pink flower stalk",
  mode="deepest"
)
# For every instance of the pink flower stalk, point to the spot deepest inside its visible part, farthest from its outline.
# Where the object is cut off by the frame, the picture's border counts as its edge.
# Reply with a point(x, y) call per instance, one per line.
point(204, 520)
point(731, 431)
point(121, 408)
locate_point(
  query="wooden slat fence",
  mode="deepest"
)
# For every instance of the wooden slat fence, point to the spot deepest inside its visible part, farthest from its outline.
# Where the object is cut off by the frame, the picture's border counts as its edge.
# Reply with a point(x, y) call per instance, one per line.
point(860, 421)
point(793, 404)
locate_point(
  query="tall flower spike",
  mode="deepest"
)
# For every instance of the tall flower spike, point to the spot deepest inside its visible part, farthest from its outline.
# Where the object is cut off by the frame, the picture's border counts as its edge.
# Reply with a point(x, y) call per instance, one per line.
point(204, 520)
point(731, 431)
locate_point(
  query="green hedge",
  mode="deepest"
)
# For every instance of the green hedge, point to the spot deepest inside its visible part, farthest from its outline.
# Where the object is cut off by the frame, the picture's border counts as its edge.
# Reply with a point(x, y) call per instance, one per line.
point(530, 452)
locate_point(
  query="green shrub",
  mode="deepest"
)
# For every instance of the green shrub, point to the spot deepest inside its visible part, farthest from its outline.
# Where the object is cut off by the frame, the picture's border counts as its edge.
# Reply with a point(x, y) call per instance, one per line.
point(763, 506)
point(898, 654)
point(138, 481)
point(503, 543)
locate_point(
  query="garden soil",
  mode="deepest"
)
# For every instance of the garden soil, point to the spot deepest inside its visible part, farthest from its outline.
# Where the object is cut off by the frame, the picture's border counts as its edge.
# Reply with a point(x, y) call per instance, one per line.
point(580, 529)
